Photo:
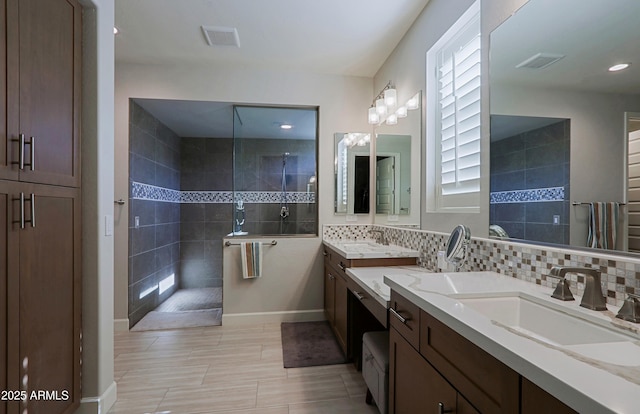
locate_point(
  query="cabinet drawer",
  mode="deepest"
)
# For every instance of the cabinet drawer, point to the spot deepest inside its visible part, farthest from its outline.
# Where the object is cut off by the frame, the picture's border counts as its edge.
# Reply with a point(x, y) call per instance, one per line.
point(491, 385)
point(404, 316)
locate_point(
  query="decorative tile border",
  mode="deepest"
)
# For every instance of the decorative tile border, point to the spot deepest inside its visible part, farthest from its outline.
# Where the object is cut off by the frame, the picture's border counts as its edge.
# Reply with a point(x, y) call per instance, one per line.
point(527, 196)
point(527, 262)
point(140, 191)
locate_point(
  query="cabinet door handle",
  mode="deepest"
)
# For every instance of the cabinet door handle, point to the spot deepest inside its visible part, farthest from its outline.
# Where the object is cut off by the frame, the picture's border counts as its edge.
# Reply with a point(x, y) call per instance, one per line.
point(324, 253)
point(32, 220)
point(21, 220)
point(397, 315)
point(331, 277)
point(342, 266)
point(32, 145)
point(441, 409)
point(359, 295)
point(20, 141)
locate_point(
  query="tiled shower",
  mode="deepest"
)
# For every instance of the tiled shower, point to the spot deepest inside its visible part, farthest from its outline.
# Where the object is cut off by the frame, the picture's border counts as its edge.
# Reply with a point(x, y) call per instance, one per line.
point(530, 183)
point(184, 200)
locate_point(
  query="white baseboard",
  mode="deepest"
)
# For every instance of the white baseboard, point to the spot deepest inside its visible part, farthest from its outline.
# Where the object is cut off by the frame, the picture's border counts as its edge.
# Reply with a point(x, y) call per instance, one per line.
point(120, 325)
point(101, 404)
point(272, 317)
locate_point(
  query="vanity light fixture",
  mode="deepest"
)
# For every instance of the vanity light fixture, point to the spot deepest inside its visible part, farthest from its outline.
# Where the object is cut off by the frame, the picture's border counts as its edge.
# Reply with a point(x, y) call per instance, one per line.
point(374, 118)
point(413, 102)
point(383, 108)
point(390, 97)
point(359, 139)
point(619, 67)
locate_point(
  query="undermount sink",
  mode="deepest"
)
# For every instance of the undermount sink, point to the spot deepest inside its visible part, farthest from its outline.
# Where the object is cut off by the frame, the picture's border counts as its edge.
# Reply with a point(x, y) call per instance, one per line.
point(542, 321)
point(369, 249)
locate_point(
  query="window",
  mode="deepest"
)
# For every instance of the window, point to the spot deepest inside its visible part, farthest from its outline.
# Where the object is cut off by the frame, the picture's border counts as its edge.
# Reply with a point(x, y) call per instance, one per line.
point(453, 116)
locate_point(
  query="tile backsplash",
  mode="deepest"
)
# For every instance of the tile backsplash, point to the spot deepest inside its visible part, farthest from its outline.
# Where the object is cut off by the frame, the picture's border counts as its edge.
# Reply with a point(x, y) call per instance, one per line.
point(532, 263)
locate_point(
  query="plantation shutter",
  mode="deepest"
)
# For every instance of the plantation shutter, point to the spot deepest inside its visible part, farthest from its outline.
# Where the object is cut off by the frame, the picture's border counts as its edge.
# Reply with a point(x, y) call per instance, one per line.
point(458, 80)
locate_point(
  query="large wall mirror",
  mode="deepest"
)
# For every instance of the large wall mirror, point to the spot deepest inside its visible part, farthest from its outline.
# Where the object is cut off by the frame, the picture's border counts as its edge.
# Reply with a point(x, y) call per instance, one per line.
point(397, 169)
point(561, 121)
point(352, 151)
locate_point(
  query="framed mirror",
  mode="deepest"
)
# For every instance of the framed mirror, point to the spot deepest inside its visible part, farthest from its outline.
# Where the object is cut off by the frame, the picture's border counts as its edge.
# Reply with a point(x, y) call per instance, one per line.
point(352, 152)
point(397, 169)
point(574, 115)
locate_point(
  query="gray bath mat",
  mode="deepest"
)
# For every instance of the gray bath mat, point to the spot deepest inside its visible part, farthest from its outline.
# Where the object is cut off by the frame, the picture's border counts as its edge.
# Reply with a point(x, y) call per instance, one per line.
point(308, 344)
point(155, 320)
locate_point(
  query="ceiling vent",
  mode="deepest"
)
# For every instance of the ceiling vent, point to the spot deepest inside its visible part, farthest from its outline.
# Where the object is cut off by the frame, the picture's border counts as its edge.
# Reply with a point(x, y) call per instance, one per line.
point(221, 36)
point(539, 61)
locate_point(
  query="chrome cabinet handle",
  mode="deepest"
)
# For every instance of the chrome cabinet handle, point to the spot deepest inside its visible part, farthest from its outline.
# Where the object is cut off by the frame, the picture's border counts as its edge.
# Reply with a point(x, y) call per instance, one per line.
point(32, 199)
point(32, 145)
point(358, 295)
point(20, 141)
point(331, 277)
point(21, 220)
point(441, 409)
point(324, 253)
point(342, 266)
point(397, 315)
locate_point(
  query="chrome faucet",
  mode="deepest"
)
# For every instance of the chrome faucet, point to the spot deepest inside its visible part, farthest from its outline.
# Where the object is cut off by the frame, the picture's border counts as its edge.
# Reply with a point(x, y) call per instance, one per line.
point(383, 240)
point(592, 297)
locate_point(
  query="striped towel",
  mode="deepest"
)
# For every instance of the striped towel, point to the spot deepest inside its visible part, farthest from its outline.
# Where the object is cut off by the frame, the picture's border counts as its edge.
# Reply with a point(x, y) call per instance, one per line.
point(251, 257)
point(603, 223)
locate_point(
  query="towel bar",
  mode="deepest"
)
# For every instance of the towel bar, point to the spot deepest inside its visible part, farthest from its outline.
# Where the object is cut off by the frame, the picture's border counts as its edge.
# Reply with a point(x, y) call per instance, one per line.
point(271, 243)
point(580, 203)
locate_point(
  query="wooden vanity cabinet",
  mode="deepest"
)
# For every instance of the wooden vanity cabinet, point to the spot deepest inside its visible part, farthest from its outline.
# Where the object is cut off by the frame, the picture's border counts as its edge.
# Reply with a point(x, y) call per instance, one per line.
point(430, 363)
point(535, 400)
point(335, 304)
point(349, 322)
point(415, 385)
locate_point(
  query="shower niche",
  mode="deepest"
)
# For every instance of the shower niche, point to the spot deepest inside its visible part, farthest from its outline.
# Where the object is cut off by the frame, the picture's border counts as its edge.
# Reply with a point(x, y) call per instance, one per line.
point(274, 170)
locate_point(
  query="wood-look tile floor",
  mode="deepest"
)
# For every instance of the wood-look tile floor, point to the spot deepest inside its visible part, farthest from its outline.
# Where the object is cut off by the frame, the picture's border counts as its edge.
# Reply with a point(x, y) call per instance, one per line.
point(222, 370)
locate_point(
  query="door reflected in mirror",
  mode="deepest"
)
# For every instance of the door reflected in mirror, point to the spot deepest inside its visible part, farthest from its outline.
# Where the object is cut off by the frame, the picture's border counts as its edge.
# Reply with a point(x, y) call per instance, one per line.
point(397, 169)
point(393, 174)
point(352, 172)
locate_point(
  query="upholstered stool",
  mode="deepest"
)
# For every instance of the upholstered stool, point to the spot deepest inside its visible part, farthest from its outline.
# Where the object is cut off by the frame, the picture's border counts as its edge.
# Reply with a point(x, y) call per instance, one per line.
point(375, 367)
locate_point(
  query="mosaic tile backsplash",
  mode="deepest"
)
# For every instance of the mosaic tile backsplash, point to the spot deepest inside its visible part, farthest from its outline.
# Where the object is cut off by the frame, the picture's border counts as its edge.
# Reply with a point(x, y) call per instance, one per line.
point(531, 263)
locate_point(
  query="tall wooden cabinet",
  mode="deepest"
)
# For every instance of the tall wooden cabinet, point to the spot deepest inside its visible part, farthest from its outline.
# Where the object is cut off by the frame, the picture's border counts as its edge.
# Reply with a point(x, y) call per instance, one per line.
point(40, 292)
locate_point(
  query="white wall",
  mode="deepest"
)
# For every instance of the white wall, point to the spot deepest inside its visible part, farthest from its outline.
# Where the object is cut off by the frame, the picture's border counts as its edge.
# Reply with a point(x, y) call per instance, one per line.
point(406, 68)
point(343, 102)
point(98, 386)
point(290, 289)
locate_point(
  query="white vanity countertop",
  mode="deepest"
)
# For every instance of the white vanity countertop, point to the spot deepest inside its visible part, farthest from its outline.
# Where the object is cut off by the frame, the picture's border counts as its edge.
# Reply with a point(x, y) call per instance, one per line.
point(589, 378)
point(368, 249)
point(371, 279)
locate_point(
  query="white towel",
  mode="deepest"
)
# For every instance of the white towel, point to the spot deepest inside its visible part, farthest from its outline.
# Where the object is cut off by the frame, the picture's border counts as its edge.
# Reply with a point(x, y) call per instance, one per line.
point(251, 257)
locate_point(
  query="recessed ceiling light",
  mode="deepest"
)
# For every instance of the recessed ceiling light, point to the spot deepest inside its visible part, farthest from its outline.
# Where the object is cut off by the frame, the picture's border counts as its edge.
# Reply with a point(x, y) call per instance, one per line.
point(619, 66)
point(286, 126)
point(115, 30)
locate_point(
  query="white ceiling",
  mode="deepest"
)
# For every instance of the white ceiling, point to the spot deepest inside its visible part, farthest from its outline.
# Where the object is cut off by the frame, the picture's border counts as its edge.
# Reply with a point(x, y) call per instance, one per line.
point(340, 37)
point(592, 34)
point(345, 37)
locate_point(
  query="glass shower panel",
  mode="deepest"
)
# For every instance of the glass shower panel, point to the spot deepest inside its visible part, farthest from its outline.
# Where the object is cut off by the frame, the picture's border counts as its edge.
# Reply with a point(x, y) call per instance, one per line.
point(275, 158)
